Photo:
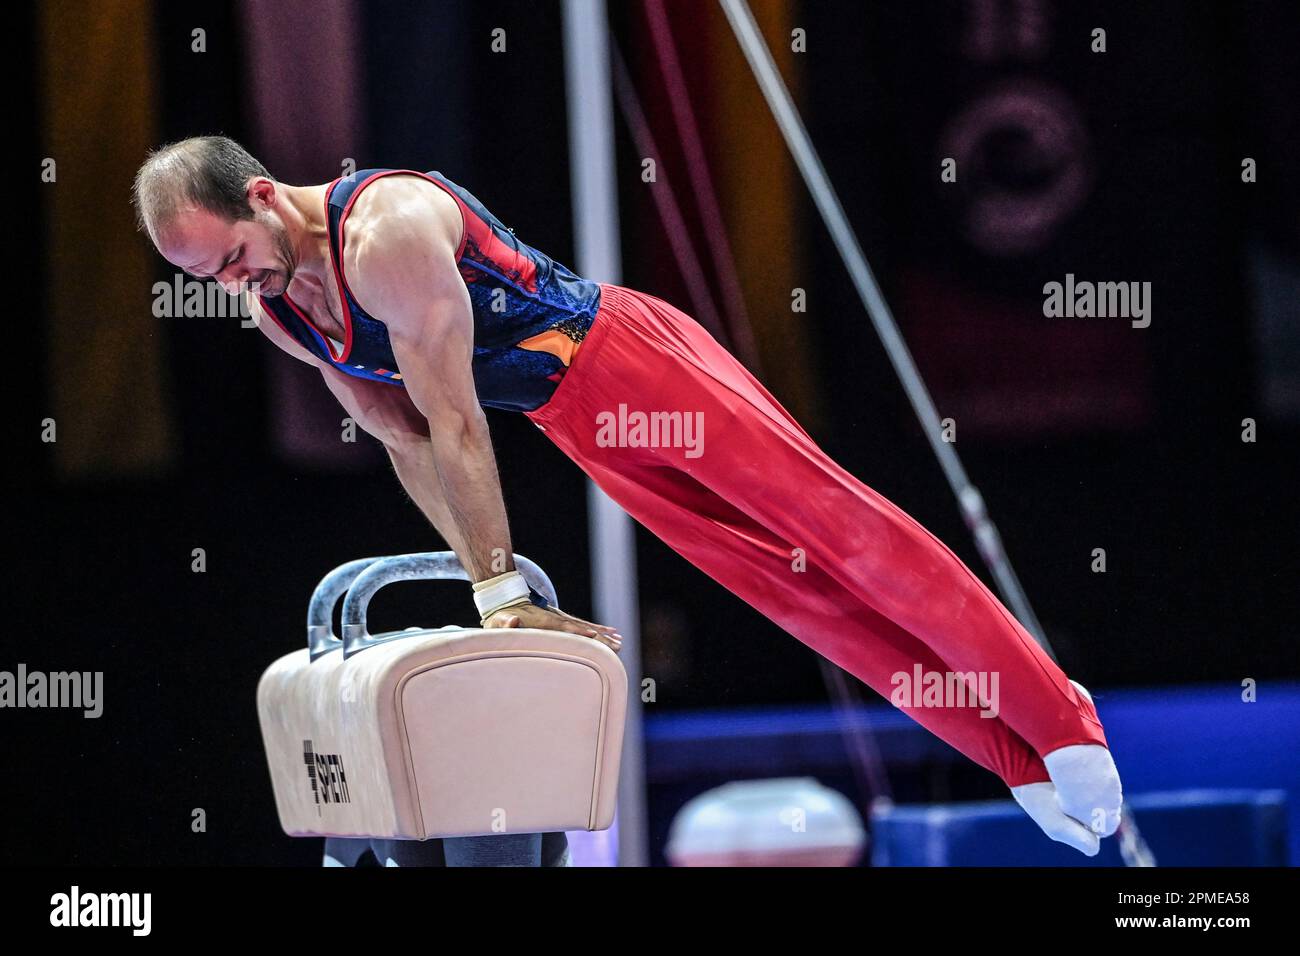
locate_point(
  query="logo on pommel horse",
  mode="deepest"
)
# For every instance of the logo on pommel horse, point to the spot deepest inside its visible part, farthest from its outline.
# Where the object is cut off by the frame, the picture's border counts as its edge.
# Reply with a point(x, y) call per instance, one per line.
point(329, 784)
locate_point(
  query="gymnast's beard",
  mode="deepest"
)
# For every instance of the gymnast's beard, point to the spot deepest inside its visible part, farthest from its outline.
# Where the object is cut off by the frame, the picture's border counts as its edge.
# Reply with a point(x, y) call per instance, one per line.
point(274, 282)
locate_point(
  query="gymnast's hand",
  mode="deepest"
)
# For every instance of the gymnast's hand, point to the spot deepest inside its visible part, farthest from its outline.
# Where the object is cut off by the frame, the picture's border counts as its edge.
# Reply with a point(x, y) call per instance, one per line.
point(553, 619)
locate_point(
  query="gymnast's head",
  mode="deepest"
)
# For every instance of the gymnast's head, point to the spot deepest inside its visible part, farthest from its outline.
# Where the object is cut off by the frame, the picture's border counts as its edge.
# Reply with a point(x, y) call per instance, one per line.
point(213, 210)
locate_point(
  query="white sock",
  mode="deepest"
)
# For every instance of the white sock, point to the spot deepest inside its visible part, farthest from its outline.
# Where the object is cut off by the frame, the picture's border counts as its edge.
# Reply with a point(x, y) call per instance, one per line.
point(1082, 802)
point(1039, 801)
point(1087, 785)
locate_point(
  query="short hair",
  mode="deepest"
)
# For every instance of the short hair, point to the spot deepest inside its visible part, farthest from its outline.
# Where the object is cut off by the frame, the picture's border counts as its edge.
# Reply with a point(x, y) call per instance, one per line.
point(210, 172)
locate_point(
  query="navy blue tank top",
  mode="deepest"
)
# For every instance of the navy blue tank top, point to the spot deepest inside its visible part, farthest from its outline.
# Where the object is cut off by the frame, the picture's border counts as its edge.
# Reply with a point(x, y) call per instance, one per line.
point(530, 313)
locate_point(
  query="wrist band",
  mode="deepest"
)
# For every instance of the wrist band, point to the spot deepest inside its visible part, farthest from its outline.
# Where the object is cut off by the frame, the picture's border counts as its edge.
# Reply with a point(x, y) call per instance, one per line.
point(535, 597)
point(500, 591)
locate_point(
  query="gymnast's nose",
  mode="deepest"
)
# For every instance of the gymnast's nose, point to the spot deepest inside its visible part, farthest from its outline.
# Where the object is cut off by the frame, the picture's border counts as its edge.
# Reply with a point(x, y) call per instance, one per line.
point(232, 283)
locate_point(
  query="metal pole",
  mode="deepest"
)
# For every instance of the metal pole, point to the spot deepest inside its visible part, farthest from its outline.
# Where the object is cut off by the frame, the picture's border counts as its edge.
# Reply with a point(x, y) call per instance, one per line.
point(613, 544)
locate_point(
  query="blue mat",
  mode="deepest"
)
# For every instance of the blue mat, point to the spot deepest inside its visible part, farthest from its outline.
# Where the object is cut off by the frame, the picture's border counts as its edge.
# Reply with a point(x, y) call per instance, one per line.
point(1183, 828)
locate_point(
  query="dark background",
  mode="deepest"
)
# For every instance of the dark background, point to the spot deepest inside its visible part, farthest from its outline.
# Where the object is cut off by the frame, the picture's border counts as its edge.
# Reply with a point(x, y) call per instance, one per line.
point(1199, 528)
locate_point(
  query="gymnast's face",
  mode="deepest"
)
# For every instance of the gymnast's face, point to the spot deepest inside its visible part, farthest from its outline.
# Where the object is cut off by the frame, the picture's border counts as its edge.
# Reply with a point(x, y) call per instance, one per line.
point(238, 254)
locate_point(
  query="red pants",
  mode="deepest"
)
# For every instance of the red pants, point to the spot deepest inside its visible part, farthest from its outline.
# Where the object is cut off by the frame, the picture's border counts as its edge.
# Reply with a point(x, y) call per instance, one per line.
point(755, 504)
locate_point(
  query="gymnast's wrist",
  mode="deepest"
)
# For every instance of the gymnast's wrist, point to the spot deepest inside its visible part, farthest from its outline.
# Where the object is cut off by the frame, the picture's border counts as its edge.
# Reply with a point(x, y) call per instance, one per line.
point(503, 591)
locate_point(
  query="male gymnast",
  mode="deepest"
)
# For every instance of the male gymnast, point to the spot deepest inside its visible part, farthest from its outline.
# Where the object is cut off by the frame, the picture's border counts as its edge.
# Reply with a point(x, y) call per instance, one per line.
point(419, 307)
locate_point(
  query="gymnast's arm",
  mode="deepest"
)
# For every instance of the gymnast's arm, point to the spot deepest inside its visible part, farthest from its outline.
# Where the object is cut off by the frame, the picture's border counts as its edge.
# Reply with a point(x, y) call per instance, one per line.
point(403, 267)
point(401, 255)
point(387, 413)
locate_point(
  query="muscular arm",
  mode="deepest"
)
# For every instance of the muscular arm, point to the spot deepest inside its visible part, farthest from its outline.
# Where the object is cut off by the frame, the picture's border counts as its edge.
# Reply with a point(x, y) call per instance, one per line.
point(400, 257)
point(387, 413)
point(401, 263)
